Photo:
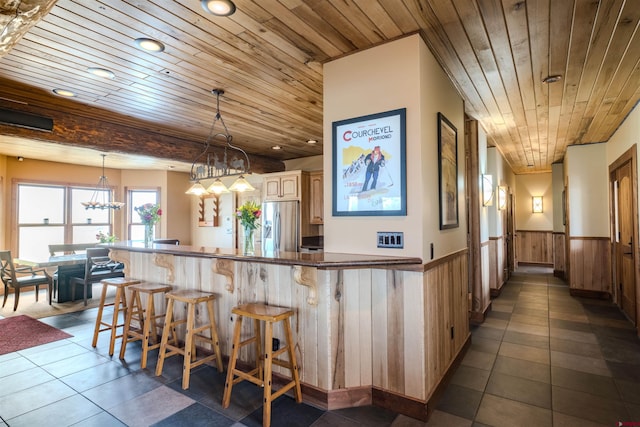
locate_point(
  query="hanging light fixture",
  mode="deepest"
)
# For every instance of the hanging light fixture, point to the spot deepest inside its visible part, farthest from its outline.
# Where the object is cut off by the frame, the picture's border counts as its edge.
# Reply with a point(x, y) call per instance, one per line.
point(100, 199)
point(207, 165)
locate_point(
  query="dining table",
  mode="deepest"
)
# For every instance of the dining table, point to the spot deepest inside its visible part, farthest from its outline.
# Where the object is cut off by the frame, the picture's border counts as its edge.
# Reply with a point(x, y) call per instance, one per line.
point(62, 268)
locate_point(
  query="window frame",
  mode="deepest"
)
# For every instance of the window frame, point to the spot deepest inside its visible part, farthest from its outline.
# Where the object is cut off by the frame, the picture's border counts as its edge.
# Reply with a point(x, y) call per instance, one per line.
point(131, 215)
point(67, 214)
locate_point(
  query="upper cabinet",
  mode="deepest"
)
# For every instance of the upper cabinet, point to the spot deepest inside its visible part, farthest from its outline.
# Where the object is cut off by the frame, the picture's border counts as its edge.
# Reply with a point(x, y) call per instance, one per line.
point(282, 186)
point(316, 199)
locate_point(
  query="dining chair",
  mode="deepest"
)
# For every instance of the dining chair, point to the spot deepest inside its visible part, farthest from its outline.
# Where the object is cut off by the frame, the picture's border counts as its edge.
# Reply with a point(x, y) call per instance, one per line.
point(21, 277)
point(66, 249)
point(98, 267)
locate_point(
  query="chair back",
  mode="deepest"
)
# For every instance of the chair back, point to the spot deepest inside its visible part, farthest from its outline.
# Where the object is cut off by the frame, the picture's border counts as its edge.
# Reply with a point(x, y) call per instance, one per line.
point(167, 241)
point(98, 262)
point(69, 248)
point(8, 272)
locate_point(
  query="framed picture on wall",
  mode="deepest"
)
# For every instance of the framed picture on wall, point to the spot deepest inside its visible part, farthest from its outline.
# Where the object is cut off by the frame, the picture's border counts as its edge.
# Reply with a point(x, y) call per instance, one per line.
point(369, 165)
point(447, 172)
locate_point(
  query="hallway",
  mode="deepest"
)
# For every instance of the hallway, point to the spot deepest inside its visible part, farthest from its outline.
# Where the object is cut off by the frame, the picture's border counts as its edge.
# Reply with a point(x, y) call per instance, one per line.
point(544, 358)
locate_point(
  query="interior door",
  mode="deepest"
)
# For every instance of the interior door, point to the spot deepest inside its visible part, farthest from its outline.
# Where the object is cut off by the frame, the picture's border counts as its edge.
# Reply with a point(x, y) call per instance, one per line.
point(511, 235)
point(623, 242)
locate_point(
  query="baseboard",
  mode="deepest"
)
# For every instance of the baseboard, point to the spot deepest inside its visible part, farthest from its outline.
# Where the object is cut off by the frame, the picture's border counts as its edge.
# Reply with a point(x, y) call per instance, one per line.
point(416, 408)
point(495, 292)
point(478, 317)
point(559, 274)
point(589, 294)
point(367, 395)
point(536, 264)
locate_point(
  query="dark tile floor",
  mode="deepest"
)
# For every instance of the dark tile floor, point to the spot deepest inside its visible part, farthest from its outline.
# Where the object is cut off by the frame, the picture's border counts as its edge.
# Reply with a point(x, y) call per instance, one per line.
point(542, 358)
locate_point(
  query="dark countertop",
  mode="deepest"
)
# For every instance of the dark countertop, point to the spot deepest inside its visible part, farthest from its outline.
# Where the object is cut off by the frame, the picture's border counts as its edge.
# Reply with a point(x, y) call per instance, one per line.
point(322, 260)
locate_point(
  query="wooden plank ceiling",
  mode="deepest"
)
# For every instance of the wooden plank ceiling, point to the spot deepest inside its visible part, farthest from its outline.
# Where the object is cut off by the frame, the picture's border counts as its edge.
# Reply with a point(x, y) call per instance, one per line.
point(268, 58)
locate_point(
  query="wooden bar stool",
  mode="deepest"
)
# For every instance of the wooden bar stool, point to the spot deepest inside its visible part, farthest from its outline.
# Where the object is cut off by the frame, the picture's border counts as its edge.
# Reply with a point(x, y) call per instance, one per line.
point(191, 298)
point(119, 304)
point(261, 375)
point(147, 319)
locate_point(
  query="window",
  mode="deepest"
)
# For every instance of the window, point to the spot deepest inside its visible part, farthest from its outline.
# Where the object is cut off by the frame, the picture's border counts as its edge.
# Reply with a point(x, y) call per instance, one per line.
point(52, 214)
point(139, 198)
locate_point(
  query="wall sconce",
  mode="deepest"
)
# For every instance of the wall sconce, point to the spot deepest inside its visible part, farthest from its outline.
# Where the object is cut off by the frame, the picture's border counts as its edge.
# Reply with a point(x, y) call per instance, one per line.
point(536, 204)
point(502, 198)
point(487, 190)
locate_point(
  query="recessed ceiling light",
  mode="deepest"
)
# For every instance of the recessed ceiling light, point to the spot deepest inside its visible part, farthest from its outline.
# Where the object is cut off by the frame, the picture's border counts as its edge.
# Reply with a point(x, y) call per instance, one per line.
point(149, 45)
point(64, 92)
point(312, 141)
point(101, 72)
point(218, 7)
point(276, 147)
point(552, 79)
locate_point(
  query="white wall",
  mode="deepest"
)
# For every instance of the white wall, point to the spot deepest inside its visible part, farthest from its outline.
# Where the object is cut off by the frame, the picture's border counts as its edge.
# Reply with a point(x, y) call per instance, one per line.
point(588, 190)
point(624, 138)
point(528, 186)
point(223, 236)
point(502, 176)
point(399, 74)
point(311, 163)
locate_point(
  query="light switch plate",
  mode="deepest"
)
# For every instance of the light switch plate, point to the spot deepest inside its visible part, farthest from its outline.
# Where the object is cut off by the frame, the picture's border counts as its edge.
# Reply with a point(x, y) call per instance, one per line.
point(391, 239)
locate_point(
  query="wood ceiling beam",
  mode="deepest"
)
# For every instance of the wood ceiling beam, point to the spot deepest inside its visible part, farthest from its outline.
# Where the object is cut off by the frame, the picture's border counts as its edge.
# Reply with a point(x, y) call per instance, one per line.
point(77, 131)
point(18, 17)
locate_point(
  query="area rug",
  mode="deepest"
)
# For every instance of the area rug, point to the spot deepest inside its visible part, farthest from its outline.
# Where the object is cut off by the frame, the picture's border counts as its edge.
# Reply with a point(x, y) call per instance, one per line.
point(20, 332)
point(40, 309)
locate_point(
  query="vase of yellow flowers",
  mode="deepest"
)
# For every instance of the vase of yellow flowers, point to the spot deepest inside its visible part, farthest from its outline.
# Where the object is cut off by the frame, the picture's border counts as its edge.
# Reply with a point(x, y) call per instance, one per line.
point(249, 216)
point(149, 216)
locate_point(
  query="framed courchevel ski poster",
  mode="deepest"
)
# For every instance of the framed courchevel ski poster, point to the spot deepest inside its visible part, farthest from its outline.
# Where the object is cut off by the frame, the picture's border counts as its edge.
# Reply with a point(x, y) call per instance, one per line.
point(369, 165)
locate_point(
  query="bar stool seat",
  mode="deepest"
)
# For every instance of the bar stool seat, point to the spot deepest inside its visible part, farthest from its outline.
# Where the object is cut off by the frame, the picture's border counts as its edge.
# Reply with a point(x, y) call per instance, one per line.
point(147, 319)
point(262, 373)
point(192, 298)
point(119, 304)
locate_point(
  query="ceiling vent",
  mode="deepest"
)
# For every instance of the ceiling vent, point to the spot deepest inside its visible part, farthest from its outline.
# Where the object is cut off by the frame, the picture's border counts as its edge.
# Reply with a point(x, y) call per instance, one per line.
point(25, 120)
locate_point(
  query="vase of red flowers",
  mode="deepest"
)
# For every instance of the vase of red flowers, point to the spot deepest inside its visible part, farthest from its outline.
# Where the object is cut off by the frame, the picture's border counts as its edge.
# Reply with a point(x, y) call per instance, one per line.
point(249, 216)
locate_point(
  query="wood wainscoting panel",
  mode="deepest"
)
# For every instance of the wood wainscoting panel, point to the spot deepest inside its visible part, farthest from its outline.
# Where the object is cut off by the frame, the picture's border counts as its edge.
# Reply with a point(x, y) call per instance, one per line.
point(559, 255)
point(590, 265)
point(447, 324)
point(493, 268)
point(398, 329)
point(481, 299)
point(535, 247)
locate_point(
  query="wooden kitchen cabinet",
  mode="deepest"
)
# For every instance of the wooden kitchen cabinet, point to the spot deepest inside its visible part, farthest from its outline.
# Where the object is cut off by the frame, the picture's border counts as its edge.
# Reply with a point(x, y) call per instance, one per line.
point(316, 198)
point(285, 186)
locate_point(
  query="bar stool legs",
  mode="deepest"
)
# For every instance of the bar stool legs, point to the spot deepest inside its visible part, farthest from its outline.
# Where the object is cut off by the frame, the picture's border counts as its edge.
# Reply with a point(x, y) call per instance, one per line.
point(147, 320)
point(191, 298)
point(262, 373)
point(119, 304)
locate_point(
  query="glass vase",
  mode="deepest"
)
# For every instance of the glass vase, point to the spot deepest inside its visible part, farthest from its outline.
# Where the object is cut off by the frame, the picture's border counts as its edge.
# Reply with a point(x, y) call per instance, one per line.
point(148, 235)
point(247, 248)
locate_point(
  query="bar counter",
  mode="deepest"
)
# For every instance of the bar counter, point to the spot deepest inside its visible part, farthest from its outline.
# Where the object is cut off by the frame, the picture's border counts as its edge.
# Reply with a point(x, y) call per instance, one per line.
point(323, 260)
point(367, 328)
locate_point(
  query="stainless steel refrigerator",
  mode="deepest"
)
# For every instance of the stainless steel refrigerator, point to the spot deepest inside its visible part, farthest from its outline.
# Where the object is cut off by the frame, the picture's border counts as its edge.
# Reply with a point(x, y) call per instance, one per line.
point(280, 226)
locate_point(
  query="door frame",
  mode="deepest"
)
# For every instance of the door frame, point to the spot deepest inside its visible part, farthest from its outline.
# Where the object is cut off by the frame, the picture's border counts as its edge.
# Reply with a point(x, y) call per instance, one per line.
point(629, 155)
